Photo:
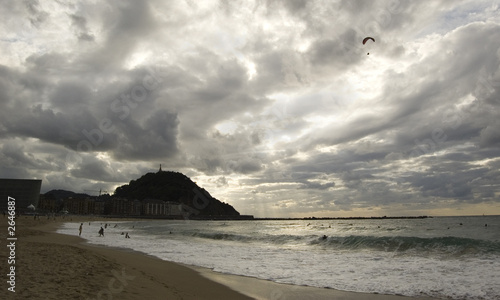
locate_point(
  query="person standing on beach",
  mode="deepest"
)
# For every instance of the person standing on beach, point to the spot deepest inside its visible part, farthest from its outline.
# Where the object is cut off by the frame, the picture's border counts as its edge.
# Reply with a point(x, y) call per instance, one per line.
point(101, 232)
point(80, 230)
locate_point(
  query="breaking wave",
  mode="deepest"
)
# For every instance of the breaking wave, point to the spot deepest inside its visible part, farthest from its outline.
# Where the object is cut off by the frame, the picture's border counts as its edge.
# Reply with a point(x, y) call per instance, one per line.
point(414, 245)
point(398, 244)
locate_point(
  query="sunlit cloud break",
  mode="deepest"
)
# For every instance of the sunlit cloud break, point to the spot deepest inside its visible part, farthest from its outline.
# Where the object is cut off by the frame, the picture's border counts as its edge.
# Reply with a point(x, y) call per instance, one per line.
point(276, 107)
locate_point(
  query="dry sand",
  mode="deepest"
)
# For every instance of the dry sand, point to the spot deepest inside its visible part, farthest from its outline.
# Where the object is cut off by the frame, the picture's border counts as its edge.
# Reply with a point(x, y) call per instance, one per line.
point(55, 266)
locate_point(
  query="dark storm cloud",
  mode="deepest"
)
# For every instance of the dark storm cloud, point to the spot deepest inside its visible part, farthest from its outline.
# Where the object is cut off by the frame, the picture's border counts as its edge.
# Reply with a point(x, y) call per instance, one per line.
point(339, 53)
point(80, 23)
point(223, 94)
point(50, 126)
point(317, 186)
point(124, 28)
point(70, 112)
point(96, 169)
point(36, 15)
point(223, 153)
point(418, 100)
point(46, 64)
point(71, 95)
point(156, 138)
point(445, 185)
point(490, 135)
point(14, 154)
point(295, 5)
point(5, 93)
point(267, 97)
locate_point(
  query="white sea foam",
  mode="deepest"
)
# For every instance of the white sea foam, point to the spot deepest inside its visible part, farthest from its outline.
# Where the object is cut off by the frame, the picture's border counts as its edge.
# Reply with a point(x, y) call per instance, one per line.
point(435, 257)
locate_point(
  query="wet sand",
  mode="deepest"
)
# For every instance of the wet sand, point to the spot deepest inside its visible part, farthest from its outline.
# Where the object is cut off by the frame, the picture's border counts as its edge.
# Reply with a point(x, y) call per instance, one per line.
point(56, 266)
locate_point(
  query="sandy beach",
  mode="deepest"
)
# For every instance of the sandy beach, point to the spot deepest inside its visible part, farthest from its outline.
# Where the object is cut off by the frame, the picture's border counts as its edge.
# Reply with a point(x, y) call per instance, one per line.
point(49, 265)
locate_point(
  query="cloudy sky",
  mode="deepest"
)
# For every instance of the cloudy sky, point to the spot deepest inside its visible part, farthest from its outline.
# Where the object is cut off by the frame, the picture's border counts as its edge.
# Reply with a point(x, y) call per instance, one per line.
point(273, 106)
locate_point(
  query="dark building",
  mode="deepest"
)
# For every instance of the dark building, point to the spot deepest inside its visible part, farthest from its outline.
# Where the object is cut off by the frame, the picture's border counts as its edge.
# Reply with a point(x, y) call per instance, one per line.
point(154, 207)
point(25, 191)
point(123, 207)
point(84, 206)
point(79, 206)
point(48, 203)
point(99, 206)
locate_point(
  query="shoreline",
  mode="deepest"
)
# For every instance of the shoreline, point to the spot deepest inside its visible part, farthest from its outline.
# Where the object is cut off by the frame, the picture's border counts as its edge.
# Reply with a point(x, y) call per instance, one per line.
point(50, 265)
point(261, 289)
point(54, 265)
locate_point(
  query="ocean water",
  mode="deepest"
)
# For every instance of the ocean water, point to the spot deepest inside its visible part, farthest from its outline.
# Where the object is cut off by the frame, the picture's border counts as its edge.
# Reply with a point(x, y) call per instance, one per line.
point(443, 257)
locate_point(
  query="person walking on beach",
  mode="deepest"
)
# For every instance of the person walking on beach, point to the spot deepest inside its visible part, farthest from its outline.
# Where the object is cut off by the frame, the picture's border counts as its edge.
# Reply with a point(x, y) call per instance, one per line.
point(80, 230)
point(101, 231)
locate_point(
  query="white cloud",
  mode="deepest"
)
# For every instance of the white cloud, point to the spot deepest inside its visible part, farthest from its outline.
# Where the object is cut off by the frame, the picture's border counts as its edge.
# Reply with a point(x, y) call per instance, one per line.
point(273, 106)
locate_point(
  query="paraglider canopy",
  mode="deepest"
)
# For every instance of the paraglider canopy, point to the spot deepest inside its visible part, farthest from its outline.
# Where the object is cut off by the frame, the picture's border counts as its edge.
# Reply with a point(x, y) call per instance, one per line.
point(368, 38)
